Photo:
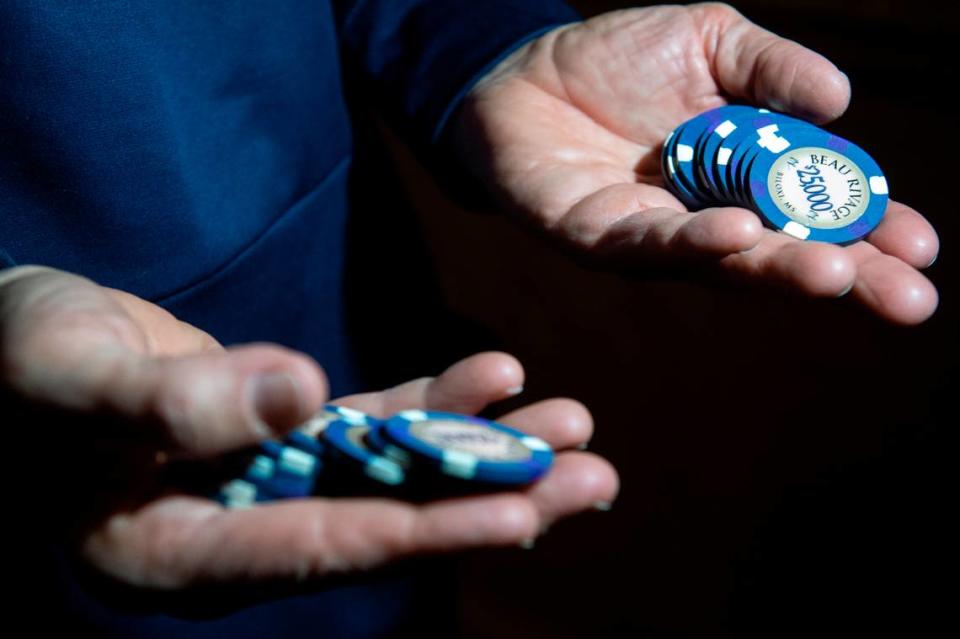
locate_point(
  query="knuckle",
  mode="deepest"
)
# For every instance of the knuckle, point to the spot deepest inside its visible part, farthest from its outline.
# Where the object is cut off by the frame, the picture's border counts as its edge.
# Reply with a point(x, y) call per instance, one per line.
point(317, 550)
point(139, 556)
point(580, 230)
point(718, 11)
point(166, 562)
point(175, 409)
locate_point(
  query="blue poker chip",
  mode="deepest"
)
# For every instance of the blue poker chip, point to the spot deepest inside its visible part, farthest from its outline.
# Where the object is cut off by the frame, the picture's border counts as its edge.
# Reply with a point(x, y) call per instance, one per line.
point(379, 444)
point(800, 179)
point(348, 446)
point(715, 152)
point(722, 122)
point(306, 437)
point(814, 185)
point(469, 448)
point(682, 156)
point(305, 442)
point(283, 471)
point(672, 178)
point(733, 152)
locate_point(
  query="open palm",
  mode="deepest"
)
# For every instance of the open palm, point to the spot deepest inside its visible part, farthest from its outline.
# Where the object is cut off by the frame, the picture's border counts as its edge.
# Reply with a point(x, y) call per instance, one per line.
point(567, 131)
point(121, 384)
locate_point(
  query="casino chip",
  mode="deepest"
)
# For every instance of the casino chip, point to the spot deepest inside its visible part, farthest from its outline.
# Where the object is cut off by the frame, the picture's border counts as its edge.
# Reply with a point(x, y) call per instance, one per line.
point(468, 448)
point(284, 471)
point(349, 449)
point(307, 436)
point(800, 179)
point(273, 470)
point(376, 441)
point(414, 455)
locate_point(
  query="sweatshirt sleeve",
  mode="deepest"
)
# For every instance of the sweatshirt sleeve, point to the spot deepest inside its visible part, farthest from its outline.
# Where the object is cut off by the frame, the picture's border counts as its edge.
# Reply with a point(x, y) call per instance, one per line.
point(423, 56)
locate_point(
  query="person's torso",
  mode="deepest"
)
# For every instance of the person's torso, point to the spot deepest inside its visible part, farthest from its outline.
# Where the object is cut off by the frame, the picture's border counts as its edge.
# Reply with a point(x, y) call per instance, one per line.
point(196, 154)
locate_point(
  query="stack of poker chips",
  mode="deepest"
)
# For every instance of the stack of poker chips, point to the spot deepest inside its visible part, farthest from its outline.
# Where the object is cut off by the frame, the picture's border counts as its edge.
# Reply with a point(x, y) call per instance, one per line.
point(798, 178)
point(414, 455)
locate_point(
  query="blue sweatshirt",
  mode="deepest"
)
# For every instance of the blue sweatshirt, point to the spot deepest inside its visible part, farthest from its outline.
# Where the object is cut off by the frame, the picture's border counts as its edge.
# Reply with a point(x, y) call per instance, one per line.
point(200, 154)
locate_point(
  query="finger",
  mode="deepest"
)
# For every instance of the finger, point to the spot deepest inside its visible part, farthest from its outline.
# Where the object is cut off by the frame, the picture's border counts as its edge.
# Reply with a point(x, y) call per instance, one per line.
point(466, 387)
point(577, 482)
point(756, 65)
point(181, 541)
point(891, 288)
point(562, 423)
point(219, 401)
point(618, 222)
point(65, 343)
point(905, 234)
point(811, 268)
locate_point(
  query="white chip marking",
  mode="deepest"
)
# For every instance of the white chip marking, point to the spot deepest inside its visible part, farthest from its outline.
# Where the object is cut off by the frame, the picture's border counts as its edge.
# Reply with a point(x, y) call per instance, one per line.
point(723, 156)
point(297, 462)
point(684, 152)
point(460, 464)
point(535, 443)
point(385, 470)
point(315, 426)
point(413, 415)
point(352, 416)
point(878, 185)
point(797, 230)
point(725, 129)
point(239, 494)
point(398, 455)
point(770, 141)
point(262, 467)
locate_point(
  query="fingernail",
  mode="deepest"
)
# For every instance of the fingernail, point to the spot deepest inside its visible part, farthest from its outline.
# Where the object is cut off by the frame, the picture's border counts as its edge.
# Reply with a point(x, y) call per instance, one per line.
point(931, 263)
point(528, 544)
point(603, 506)
point(514, 390)
point(583, 446)
point(845, 291)
point(276, 399)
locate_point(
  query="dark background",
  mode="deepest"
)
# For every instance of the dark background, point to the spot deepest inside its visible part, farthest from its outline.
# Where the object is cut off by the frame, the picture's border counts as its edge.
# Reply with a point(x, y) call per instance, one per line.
point(784, 461)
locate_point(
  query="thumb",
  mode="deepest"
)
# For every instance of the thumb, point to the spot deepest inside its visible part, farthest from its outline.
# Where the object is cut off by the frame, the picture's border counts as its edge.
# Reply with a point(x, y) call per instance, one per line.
point(65, 344)
point(216, 401)
point(753, 64)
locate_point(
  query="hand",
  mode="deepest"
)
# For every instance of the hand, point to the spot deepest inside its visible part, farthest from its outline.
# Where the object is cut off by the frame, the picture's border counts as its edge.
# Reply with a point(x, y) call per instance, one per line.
point(126, 377)
point(567, 132)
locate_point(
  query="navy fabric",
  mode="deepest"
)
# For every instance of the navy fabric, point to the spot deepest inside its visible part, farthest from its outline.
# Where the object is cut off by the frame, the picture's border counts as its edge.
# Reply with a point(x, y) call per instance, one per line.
point(425, 54)
point(202, 154)
point(5, 260)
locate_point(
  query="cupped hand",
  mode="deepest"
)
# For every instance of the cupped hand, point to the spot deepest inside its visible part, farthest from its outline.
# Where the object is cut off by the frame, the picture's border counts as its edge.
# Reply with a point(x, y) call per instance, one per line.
point(567, 132)
point(124, 378)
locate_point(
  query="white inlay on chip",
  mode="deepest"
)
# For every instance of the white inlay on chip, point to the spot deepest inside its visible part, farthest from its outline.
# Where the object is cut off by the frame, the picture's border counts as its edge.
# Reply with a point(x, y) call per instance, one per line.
point(725, 129)
point(535, 443)
point(459, 464)
point(796, 230)
point(878, 185)
point(297, 462)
